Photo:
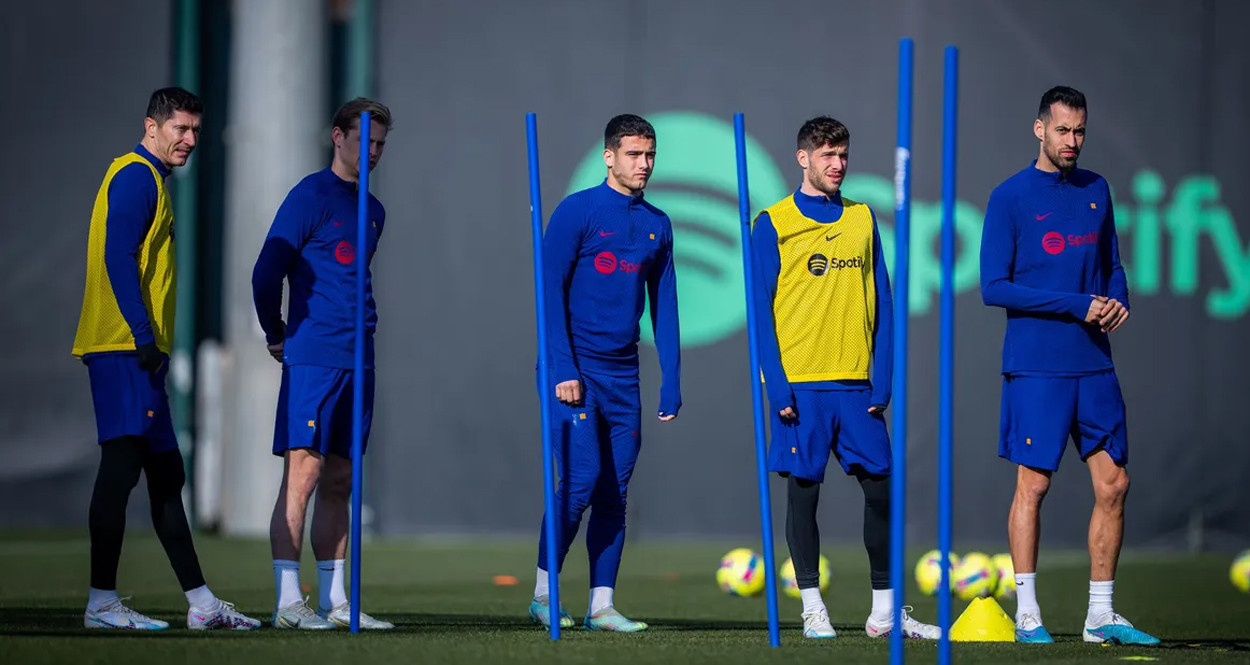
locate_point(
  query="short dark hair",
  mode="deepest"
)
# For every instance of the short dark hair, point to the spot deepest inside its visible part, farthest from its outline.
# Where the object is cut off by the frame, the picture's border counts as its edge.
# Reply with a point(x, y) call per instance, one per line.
point(1069, 97)
point(348, 115)
point(822, 131)
point(624, 125)
point(165, 102)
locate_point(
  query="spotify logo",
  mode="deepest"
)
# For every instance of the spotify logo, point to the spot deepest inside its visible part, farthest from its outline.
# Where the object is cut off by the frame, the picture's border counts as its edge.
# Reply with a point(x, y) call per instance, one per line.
point(696, 182)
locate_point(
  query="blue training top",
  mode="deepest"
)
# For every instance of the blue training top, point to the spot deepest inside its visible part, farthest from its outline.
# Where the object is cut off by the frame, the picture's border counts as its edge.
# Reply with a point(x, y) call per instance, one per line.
point(603, 252)
point(1048, 245)
point(312, 243)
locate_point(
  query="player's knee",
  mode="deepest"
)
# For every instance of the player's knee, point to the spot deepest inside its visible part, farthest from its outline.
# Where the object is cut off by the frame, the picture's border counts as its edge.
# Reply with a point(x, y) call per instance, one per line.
point(609, 507)
point(1032, 486)
point(120, 466)
point(335, 483)
point(334, 490)
point(169, 483)
point(876, 492)
point(1112, 488)
point(574, 501)
point(302, 473)
point(166, 475)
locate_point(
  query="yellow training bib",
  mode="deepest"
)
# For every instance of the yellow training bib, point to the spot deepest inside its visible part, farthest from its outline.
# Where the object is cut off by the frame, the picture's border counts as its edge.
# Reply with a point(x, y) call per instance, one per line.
point(101, 326)
point(825, 309)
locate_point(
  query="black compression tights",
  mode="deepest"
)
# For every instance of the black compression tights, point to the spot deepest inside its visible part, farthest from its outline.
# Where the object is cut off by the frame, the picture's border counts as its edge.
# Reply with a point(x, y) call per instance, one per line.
point(121, 461)
point(803, 533)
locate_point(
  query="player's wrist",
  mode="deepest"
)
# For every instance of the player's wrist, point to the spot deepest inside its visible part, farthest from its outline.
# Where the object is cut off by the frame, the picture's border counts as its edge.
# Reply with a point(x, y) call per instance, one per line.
point(149, 357)
point(144, 336)
point(781, 398)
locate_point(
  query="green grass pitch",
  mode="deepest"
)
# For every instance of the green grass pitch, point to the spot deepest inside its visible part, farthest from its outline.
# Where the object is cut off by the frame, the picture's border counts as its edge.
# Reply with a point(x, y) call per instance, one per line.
point(448, 609)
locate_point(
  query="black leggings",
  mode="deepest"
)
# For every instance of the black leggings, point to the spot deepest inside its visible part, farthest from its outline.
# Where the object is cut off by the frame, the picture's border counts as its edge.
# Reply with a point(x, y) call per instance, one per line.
point(803, 533)
point(121, 461)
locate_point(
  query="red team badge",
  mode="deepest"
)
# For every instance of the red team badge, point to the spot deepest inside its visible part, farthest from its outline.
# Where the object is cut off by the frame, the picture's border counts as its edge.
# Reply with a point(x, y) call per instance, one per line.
point(344, 252)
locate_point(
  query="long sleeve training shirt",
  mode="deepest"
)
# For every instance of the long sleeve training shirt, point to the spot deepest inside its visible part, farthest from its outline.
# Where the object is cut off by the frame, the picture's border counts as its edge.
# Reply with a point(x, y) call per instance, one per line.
point(1047, 247)
point(604, 253)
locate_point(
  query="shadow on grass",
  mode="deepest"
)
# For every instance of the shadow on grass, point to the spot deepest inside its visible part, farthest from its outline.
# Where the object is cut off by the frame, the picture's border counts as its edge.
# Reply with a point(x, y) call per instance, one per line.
point(1214, 644)
point(67, 622)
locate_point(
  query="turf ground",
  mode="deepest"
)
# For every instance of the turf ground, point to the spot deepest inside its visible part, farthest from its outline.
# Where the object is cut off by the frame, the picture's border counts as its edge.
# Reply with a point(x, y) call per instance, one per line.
point(449, 610)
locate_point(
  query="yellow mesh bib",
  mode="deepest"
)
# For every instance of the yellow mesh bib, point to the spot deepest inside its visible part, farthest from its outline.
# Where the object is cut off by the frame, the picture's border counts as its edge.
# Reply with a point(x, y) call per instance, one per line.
point(826, 303)
point(101, 326)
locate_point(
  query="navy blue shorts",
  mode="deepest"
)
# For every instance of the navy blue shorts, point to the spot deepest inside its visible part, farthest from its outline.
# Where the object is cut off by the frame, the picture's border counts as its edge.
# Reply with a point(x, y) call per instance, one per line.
point(129, 401)
point(834, 421)
point(315, 410)
point(1040, 414)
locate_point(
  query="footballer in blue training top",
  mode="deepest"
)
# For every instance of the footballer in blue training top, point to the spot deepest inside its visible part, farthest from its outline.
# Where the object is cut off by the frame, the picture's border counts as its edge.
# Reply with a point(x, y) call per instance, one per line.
point(312, 247)
point(606, 250)
point(1050, 257)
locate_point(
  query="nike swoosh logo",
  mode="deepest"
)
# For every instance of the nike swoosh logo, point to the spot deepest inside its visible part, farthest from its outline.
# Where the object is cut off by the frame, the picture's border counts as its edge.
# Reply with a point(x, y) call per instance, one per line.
point(1019, 583)
point(604, 234)
point(1041, 217)
point(827, 238)
point(338, 223)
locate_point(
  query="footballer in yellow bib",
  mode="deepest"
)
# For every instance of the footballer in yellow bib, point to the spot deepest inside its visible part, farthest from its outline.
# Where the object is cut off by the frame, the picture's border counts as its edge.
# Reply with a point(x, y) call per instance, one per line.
point(125, 333)
point(825, 326)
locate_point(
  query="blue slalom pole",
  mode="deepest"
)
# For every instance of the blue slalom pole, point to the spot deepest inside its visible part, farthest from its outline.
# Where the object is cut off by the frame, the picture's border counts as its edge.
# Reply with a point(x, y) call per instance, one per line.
point(902, 259)
point(757, 395)
point(544, 392)
point(358, 376)
point(946, 345)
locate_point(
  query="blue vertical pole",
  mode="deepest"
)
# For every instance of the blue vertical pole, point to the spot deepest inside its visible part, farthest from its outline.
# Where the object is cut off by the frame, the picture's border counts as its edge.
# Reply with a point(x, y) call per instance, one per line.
point(358, 376)
point(946, 351)
point(544, 384)
point(757, 395)
point(902, 259)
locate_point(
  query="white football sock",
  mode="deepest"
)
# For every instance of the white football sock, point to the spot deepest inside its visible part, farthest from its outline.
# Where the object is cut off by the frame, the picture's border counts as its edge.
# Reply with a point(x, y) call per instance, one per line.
point(882, 605)
point(201, 598)
point(330, 584)
point(1099, 599)
point(600, 599)
point(1026, 596)
point(286, 579)
point(811, 600)
point(540, 584)
point(98, 599)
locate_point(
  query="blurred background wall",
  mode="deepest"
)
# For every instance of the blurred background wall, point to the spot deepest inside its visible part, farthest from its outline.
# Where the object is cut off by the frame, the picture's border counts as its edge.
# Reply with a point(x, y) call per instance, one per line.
point(455, 446)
